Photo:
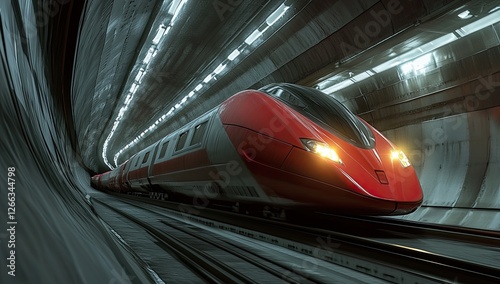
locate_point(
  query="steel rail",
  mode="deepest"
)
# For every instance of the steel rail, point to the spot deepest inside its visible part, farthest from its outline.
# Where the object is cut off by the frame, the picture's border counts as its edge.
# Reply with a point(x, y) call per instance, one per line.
point(208, 267)
point(436, 267)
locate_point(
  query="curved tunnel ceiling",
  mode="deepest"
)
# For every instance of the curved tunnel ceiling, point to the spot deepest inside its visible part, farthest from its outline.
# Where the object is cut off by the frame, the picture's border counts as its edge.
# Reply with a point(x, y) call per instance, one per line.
point(196, 65)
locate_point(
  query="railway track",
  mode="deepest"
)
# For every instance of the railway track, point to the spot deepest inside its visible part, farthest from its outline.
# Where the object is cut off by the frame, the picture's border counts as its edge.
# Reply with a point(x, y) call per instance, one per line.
point(218, 259)
point(392, 250)
point(204, 265)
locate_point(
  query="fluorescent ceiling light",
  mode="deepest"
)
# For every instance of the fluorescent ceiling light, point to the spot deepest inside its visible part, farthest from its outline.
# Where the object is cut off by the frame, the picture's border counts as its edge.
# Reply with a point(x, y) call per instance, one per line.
point(139, 76)
point(418, 58)
point(416, 52)
point(208, 78)
point(128, 98)
point(276, 14)
point(173, 6)
point(134, 88)
point(328, 81)
point(233, 54)
point(416, 65)
point(148, 57)
point(465, 15)
point(481, 23)
point(250, 39)
point(494, 9)
point(177, 11)
point(220, 68)
point(159, 34)
point(360, 77)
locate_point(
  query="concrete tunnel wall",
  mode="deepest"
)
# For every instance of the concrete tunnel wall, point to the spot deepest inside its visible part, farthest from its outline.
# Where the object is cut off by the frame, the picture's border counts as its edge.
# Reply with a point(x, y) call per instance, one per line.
point(457, 159)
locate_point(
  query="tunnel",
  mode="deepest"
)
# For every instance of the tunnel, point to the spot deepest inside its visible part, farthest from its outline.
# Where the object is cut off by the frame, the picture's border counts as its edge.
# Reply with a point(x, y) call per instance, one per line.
point(85, 85)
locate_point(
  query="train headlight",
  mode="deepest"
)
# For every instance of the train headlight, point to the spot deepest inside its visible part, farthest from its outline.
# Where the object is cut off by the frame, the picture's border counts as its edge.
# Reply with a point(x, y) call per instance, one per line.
point(399, 155)
point(321, 149)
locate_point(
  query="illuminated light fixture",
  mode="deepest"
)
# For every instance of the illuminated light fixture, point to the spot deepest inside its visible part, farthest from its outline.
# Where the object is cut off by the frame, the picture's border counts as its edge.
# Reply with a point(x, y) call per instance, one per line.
point(220, 68)
point(409, 55)
point(407, 68)
point(139, 76)
point(465, 15)
point(489, 20)
point(362, 76)
point(208, 78)
point(120, 113)
point(251, 38)
point(494, 9)
point(159, 34)
point(321, 149)
point(399, 155)
point(149, 56)
point(415, 53)
point(134, 88)
point(325, 83)
point(276, 14)
point(233, 54)
point(417, 65)
point(177, 11)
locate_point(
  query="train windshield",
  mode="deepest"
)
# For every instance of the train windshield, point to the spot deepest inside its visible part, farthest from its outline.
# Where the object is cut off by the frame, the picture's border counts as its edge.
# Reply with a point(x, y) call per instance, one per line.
point(326, 111)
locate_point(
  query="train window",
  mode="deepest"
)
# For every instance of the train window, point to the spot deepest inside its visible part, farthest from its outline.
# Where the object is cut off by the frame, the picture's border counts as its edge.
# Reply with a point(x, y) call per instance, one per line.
point(145, 157)
point(163, 150)
point(199, 131)
point(181, 141)
point(325, 110)
point(136, 162)
point(336, 116)
point(288, 97)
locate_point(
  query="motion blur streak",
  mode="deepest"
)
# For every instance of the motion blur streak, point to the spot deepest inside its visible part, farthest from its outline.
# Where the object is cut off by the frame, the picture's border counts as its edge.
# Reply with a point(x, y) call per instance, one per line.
point(65, 243)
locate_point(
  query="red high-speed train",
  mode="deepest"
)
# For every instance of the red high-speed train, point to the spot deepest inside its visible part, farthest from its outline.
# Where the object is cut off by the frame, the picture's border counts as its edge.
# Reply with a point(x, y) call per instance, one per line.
point(281, 147)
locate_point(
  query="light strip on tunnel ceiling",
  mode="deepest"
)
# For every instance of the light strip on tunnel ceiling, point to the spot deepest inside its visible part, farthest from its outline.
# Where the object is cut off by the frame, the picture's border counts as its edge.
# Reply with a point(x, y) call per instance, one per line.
point(174, 10)
point(411, 59)
point(216, 73)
